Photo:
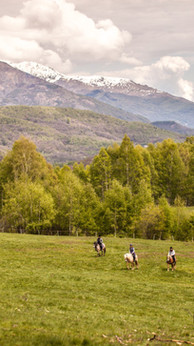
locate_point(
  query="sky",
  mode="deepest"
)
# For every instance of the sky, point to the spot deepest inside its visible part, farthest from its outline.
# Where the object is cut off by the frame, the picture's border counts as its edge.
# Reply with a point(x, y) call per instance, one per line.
point(148, 41)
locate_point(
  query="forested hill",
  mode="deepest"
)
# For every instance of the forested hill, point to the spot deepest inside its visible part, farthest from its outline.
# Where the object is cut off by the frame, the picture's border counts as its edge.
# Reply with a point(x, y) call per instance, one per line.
point(65, 134)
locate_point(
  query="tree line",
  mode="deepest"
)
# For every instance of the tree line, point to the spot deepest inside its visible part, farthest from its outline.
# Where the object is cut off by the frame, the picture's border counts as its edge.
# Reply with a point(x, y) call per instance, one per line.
point(126, 190)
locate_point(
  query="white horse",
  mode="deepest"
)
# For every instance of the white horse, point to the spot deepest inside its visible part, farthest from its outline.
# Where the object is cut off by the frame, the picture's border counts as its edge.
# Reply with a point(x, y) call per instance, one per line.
point(129, 259)
point(169, 262)
point(98, 249)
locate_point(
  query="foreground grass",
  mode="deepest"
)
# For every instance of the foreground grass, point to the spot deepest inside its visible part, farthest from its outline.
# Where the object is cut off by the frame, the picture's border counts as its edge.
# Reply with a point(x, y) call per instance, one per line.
point(55, 291)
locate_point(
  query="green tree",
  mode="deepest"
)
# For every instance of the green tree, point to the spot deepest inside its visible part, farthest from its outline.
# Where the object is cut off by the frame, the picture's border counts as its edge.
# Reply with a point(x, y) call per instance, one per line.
point(142, 198)
point(27, 206)
point(100, 170)
point(150, 224)
point(115, 208)
point(24, 161)
point(89, 211)
point(67, 195)
point(170, 169)
point(82, 172)
point(128, 169)
point(167, 218)
point(186, 150)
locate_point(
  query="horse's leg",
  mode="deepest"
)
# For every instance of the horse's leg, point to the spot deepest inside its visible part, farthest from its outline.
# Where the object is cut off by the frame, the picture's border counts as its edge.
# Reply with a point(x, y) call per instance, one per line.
point(127, 262)
point(168, 267)
point(137, 265)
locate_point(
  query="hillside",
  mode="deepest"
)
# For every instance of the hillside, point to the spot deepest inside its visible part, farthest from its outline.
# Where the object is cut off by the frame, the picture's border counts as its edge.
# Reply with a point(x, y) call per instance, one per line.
point(21, 88)
point(65, 134)
point(174, 127)
point(158, 107)
point(121, 93)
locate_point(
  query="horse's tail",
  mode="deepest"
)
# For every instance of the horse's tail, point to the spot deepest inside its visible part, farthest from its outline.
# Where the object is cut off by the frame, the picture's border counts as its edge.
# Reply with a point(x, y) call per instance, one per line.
point(104, 249)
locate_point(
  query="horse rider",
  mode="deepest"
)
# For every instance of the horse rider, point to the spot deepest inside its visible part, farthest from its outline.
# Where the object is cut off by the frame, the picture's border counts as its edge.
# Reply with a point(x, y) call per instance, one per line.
point(100, 241)
point(132, 251)
point(172, 254)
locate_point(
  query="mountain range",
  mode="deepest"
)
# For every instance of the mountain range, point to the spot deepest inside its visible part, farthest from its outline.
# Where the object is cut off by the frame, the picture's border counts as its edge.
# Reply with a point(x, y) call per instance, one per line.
point(70, 118)
point(122, 94)
point(21, 88)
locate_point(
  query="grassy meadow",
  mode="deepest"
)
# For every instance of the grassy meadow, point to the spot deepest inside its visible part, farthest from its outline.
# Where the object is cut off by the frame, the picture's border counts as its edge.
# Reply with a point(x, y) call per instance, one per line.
point(56, 291)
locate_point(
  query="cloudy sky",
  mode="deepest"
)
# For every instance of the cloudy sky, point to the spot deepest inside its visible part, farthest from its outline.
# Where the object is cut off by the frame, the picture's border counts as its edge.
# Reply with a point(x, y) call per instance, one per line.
point(148, 41)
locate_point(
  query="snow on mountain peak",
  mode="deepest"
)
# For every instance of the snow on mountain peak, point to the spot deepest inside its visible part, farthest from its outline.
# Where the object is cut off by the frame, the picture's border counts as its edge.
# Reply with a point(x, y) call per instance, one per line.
point(107, 83)
point(37, 70)
point(100, 80)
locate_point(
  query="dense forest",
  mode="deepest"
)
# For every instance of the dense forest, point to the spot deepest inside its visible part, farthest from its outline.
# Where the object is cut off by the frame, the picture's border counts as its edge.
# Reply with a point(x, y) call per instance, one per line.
point(126, 190)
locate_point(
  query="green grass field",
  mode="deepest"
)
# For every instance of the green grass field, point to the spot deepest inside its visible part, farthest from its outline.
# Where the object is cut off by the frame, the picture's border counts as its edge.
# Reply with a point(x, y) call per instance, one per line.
point(56, 291)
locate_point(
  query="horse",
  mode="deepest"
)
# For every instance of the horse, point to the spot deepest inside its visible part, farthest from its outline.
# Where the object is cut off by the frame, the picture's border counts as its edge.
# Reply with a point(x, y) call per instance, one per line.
point(171, 262)
point(98, 249)
point(129, 259)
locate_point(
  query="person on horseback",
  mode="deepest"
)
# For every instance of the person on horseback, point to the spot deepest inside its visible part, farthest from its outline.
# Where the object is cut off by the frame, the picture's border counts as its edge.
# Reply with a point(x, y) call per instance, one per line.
point(100, 241)
point(132, 251)
point(172, 254)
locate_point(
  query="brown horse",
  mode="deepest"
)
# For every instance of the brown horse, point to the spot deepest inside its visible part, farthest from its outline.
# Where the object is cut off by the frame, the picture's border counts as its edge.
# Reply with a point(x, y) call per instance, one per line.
point(169, 262)
point(98, 249)
point(129, 259)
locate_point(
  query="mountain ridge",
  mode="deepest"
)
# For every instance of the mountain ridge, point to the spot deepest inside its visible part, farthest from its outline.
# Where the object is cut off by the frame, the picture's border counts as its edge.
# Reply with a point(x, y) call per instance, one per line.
point(21, 88)
point(122, 94)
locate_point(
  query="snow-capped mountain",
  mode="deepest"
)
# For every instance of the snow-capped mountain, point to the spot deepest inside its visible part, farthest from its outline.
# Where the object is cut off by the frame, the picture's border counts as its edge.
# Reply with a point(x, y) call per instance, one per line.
point(20, 88)
point(106, 83)
point(123, 95)
point(37, 70)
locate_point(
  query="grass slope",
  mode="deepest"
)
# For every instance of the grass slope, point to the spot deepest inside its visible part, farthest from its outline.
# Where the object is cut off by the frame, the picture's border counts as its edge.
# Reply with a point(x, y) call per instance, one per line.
point(55, 291)
point(66, 134)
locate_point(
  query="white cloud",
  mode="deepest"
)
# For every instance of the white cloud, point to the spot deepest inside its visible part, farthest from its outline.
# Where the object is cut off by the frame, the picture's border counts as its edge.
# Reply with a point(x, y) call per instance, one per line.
point(129, 60)
point(187, 89)
point(53, 30)
point(166, 74)
point(24, 50)
point(166, 68)
point(175, 64)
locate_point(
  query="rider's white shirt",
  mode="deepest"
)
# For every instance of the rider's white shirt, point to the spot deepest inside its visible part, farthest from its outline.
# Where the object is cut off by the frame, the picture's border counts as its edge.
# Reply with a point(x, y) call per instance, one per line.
point(171, 253)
